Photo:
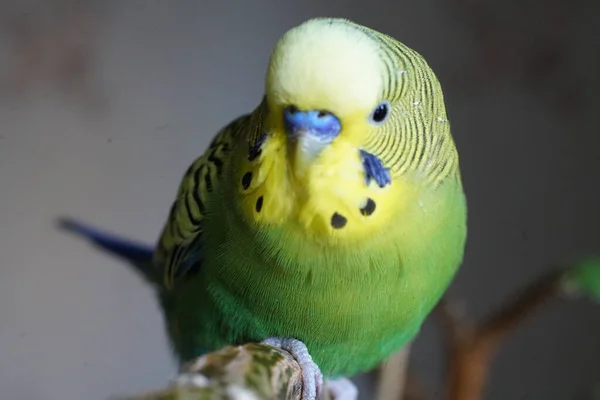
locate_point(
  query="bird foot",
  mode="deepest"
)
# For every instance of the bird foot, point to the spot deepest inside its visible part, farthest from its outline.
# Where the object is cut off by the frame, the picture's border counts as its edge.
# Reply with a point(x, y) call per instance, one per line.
point(312, 379)
point(342, 389)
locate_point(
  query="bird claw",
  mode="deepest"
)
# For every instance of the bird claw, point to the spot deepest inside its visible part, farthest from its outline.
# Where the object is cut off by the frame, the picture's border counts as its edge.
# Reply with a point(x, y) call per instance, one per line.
point(312, 379)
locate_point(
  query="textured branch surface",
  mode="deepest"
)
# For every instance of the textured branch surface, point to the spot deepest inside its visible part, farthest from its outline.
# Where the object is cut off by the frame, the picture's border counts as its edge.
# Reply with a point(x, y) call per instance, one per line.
point(248, 372)
point(471, 346)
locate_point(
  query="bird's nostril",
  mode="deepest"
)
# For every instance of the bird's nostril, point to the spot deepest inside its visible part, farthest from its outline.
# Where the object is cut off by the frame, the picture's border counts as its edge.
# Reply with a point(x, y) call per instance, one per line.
point(322, 114)
point(292, 109)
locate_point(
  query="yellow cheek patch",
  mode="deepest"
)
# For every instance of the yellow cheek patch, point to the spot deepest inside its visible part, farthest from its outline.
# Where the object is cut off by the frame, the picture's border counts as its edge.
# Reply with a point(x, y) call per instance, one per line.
point(330, 201)
point(263, 185)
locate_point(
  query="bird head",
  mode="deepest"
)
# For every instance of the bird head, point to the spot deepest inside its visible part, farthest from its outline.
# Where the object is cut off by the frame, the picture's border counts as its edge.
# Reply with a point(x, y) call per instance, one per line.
point(324, 83)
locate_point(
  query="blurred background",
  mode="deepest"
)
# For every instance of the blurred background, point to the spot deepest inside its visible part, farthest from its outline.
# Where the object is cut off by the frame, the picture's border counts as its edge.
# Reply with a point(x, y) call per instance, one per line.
point(103, 105)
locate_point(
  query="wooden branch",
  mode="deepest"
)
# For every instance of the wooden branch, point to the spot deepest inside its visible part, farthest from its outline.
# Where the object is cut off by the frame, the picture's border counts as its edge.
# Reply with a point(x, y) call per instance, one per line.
point(392, 375)
point(249, 372)
point(413, 390)
point(470, 347)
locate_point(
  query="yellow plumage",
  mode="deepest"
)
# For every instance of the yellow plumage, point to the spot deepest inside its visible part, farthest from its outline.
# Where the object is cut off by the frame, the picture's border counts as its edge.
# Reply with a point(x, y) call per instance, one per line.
point(304, 192)
point(326, 60)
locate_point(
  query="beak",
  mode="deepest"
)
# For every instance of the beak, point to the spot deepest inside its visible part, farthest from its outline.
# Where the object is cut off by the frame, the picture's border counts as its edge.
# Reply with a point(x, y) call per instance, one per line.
point(309, 132)
point(321, 125)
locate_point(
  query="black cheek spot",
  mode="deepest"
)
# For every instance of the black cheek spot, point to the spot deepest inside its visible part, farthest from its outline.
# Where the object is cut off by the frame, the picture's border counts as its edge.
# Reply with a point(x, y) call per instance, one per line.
point(338, 221)
point(246, 180)
point(259, 204)
point(369, 208)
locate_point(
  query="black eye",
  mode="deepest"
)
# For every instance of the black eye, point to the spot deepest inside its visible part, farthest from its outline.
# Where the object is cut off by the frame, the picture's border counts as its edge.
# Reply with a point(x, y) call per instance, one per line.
point(380, 113)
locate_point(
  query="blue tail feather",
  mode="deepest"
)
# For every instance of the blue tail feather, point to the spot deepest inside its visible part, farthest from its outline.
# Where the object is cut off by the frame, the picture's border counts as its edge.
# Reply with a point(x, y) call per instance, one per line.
point(136, 253)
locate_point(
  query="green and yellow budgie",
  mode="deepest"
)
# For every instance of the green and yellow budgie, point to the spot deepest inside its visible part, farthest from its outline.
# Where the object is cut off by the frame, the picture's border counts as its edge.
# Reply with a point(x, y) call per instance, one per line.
point(328, 222)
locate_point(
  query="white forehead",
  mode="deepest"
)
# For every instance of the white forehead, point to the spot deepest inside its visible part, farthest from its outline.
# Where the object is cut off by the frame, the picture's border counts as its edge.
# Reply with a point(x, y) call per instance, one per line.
point(327, 65)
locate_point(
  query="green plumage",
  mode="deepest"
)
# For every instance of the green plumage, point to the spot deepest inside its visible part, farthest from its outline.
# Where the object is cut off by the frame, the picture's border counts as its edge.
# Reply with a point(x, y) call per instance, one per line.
point(352, 307)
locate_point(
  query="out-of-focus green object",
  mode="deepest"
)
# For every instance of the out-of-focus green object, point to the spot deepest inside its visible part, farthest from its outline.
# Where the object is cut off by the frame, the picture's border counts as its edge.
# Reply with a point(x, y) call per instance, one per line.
point(584, 278)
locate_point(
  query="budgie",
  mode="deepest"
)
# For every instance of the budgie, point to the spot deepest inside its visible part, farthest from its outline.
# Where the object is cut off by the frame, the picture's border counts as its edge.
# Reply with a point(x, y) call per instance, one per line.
point(328, 221)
